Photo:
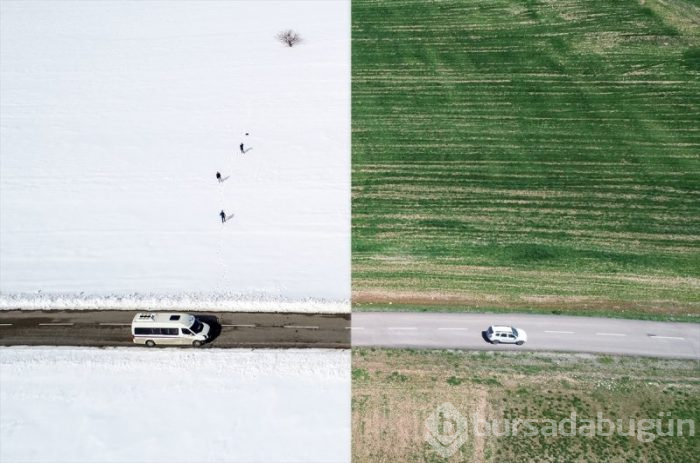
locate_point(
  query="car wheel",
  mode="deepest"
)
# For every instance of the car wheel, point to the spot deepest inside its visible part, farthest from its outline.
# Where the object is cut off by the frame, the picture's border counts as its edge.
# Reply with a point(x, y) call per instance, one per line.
point(150, 343)
point(520, 343)
point(197, 343)
point(496, 341)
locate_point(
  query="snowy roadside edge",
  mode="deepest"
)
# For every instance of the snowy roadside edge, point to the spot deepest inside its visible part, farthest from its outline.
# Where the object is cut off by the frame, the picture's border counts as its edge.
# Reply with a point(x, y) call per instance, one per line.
point(191, 302)
point(329, 364)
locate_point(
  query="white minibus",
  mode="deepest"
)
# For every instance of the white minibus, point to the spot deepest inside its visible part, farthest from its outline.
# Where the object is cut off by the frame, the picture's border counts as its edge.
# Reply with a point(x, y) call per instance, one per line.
point(152, 328)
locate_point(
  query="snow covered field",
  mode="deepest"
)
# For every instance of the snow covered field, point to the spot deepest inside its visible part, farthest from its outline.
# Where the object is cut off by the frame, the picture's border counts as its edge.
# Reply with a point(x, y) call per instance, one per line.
point(173, 405)
point(115, 117)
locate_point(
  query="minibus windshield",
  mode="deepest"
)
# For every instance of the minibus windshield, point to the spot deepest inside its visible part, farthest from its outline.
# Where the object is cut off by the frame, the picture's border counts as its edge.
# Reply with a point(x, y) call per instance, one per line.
point(197, 326)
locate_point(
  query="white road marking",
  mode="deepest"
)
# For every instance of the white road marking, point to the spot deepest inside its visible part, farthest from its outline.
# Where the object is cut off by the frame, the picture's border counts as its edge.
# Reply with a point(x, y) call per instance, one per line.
point(402, 328)
point(354, 327)
point(56, 324)
point(5, 324)
point(115, 324)
point(241, 326)
point(667, 337)
point(610, 334)
point(302, 327)
point(560, 332)
point(453, 329)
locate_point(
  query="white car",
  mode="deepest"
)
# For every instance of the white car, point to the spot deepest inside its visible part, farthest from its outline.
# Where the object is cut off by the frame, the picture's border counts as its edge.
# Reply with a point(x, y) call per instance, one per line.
point(506, 335)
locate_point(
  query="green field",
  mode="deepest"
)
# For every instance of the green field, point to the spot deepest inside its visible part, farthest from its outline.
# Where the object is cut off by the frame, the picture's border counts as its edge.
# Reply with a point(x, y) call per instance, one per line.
point(527, 155)
point(394, 391)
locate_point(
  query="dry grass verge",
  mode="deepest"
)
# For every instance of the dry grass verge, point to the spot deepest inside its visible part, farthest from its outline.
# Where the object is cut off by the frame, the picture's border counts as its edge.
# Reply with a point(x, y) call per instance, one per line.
point(394, 391)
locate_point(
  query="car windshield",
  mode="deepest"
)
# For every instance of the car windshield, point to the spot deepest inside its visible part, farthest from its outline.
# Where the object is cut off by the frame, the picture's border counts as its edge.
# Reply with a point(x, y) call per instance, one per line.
point(515, 332)
point(197, 326)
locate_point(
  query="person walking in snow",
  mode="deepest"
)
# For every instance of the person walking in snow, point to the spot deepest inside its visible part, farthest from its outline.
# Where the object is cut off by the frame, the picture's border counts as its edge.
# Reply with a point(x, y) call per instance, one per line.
point(242, 150)
point(218, 176)
point(223, 216)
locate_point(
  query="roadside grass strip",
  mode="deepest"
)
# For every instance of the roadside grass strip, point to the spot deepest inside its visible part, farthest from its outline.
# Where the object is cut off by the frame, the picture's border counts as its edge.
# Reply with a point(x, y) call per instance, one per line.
point(395, 391)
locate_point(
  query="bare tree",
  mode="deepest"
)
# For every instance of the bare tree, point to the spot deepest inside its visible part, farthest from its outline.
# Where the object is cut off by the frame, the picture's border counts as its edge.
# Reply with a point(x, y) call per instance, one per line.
point(289, 37)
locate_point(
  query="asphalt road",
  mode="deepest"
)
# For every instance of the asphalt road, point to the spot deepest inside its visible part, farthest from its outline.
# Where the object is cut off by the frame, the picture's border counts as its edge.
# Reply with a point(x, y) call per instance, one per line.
point(230, 329)
point(545, 333)
point(369, 329)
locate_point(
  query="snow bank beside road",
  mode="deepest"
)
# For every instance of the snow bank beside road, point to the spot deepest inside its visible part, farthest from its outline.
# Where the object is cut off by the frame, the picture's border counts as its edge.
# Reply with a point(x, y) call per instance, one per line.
point(192, 302)
point(173, 405)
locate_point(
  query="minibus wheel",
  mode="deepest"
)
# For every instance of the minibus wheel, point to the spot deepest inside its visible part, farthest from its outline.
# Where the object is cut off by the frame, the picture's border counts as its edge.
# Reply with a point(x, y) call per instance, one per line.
point(150, 343)
point(197, 343)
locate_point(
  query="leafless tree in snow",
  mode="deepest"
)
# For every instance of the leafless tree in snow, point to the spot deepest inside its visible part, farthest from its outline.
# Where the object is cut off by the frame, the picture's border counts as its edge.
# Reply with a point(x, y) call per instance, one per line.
point(289, 37)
